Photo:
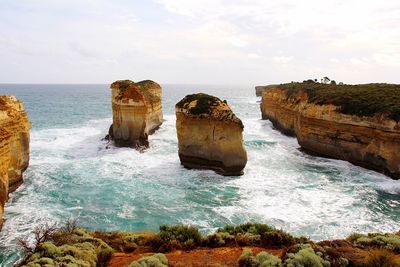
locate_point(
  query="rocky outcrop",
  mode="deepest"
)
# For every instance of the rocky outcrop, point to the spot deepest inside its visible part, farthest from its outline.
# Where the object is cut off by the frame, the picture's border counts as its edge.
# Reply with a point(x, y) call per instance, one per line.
point(14, 146)
point(137, 112)
point(209, 135)
point(369, 141)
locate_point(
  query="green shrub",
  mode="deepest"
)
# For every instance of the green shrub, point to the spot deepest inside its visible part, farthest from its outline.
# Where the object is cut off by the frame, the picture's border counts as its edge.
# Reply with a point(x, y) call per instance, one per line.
point(177, 237)
point(79, 248)
point(248, 260)
point(218, 240)
point(120, 241)
point(247, 239)
point(252, 228)
point(263, 259)
point(156, 260)
point(260, 234)
point(376, 240)
point(277, 238)
point(305, 257)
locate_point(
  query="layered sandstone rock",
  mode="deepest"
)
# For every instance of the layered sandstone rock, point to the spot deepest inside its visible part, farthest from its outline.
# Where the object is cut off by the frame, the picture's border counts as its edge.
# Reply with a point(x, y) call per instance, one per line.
point(137, 112)
point(369, 141)
point(209, 135)
point(14, 146)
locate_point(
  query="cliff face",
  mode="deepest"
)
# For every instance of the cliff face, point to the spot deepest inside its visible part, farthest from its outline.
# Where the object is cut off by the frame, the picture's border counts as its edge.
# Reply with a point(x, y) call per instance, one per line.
point(137, 112)
point(209, 135)
point(261, 88)
point(14, 146)
point(372, 142)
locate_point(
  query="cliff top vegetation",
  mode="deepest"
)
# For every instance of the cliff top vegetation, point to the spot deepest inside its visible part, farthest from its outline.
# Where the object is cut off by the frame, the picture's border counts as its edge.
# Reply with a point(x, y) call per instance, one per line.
point(131, 90)
point(361, 100)
point(199, 105)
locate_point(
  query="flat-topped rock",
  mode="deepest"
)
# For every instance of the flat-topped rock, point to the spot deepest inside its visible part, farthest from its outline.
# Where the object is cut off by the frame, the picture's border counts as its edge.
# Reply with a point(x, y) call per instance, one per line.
point(137, 112)
point(14, 146)
point(209, 135)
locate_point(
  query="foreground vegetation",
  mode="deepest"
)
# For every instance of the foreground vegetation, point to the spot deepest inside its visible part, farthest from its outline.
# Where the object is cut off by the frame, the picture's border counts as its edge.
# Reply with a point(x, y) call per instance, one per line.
point(74, 246)
point(361, 100)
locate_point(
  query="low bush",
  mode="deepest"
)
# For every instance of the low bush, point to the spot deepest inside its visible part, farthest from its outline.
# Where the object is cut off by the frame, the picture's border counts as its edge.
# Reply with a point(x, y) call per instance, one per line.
point(156, 260)
point(305, 257)
point(376, 240)
point(263, 259)
point(261, 234)
point(68, 247)
point(177, 237)
point(218, 240)
point(121, 241)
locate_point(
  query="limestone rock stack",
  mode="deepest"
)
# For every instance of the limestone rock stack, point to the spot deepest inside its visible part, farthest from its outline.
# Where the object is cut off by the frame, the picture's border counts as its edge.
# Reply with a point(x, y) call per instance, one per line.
point(137, 112)
point(14, 147)
point(369, 141)
point(209, 135)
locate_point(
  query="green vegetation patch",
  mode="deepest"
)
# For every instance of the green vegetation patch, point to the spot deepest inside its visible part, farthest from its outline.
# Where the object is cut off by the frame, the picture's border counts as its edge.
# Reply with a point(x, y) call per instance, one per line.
point(263, 259)
point(65, 247)
point(156, 260)
point(177, 237)
point(360, 100)
point(306, 256)
point(261, 234)
point(376, 240)
point(204, 104)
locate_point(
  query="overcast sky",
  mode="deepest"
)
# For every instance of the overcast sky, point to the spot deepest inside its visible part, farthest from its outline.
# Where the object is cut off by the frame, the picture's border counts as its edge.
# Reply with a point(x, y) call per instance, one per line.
point(199, 42)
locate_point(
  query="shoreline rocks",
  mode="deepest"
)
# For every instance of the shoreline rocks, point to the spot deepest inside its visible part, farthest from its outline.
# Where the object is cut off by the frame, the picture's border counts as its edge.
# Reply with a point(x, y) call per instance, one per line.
point(137, 112)
point(210, 135)
point(372, 142)
point(14, 147)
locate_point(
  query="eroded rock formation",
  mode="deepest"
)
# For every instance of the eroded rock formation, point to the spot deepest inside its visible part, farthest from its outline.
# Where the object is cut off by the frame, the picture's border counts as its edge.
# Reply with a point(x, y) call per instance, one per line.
point(14, 147)
point(209, 135)
point(137, 112)
point(369, 141)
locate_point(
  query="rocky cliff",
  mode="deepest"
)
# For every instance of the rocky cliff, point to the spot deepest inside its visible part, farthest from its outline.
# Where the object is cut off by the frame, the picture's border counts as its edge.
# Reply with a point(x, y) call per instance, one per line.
point(137, 112)
point(14, 146)
point(209, 135)
point(260, 89)
point(333, 130)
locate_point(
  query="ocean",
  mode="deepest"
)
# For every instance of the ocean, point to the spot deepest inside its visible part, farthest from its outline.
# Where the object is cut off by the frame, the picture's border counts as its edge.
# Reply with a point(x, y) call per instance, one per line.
point(72, 174)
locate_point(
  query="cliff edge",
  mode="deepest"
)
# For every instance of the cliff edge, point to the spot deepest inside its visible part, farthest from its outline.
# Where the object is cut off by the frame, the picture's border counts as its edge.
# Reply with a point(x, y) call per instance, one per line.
point(14, 147)
point(357, 123)
point(209, 135)
point(137, 112)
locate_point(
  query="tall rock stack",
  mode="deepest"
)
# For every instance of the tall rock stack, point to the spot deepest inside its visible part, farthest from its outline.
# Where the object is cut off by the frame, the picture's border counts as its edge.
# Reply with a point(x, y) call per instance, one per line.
point(14, 147)
point(210, 135)
point(137, 112)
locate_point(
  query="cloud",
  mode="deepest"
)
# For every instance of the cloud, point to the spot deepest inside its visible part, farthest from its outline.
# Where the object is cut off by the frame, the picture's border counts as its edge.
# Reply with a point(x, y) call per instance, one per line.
point(188, 41)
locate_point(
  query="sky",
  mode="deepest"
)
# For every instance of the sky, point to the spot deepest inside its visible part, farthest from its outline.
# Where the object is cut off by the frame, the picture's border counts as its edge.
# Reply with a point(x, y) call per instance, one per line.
point(199, 42)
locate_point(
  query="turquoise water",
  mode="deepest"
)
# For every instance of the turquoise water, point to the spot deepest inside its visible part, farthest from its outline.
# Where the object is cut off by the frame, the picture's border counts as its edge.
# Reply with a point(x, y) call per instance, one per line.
point(72, 174)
